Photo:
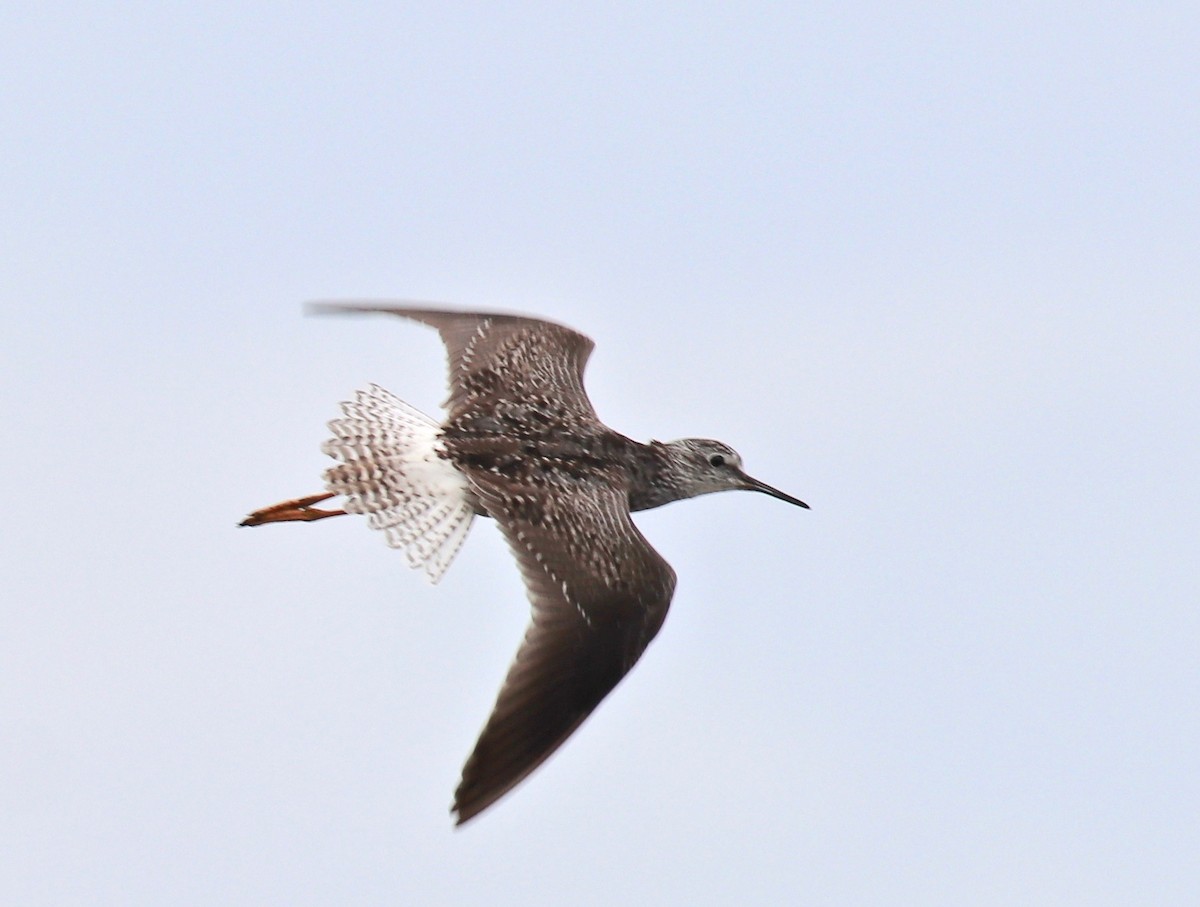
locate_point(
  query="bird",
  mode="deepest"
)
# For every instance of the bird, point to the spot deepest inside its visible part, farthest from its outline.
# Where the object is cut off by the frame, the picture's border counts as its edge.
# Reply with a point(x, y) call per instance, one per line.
point(522, 444)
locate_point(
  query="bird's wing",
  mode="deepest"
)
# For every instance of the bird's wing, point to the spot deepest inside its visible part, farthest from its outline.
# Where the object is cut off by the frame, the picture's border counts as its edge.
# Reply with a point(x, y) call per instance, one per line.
point(599, 594)
point(499, 361)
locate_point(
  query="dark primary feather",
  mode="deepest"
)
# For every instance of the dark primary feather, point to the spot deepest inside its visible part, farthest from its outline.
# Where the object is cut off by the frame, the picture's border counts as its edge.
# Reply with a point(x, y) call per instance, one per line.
point(599, 593)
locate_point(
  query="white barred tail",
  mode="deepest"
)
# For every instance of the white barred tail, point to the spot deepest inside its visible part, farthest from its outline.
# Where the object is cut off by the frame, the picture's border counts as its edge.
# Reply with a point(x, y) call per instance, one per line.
point(391, 471)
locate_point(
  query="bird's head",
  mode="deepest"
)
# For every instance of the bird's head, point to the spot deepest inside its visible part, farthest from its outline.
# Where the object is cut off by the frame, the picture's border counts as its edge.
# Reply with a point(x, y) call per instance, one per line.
point(705, 466)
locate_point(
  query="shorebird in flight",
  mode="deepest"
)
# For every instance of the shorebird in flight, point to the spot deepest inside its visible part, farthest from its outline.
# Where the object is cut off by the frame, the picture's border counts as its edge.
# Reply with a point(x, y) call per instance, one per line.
point(522, 444)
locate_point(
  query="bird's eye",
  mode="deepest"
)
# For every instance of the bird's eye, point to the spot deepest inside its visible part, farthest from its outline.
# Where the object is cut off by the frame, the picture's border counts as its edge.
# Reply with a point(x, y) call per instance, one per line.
point(716, 460)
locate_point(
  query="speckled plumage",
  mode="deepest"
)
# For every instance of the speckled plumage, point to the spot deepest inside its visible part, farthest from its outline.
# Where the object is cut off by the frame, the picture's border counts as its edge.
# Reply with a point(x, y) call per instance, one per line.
point(393, 470)
point(521, 443)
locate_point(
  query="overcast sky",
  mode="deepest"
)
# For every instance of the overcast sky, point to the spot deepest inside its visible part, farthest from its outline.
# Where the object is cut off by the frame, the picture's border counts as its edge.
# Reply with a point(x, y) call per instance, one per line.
point(931, 268)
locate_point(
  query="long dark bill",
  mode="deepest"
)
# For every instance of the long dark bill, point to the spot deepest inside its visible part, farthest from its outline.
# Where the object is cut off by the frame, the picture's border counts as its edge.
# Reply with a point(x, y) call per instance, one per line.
point(753, 484)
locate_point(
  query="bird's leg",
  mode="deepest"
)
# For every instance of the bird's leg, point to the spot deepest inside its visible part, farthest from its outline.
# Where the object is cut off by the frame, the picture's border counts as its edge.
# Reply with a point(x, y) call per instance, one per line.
point(295, 509)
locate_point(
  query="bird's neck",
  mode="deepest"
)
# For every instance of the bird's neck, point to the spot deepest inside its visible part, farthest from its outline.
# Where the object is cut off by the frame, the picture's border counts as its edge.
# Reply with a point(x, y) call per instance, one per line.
point(657, 473)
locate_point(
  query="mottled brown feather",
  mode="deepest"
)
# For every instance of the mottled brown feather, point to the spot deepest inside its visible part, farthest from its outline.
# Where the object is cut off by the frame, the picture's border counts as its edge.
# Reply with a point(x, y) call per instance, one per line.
point(482, 346)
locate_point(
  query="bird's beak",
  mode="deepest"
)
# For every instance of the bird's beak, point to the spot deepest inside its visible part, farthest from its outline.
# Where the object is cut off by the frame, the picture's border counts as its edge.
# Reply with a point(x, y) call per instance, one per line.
point(753, 484)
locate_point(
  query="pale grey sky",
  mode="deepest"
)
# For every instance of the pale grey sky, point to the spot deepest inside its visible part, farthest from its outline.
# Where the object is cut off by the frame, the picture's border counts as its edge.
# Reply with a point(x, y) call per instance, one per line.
point(932, 269)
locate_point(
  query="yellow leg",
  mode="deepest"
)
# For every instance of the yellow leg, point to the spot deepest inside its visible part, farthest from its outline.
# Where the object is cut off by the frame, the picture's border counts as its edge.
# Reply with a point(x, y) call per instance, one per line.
point(295, 509)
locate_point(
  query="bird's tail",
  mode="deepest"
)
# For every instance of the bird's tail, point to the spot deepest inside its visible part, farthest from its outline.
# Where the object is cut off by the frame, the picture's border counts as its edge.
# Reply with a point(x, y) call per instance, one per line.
point(391, 469)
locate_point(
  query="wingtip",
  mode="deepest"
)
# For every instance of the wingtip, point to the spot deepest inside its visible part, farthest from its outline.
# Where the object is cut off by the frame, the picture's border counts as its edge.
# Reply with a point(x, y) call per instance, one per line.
point(464, 811)
point(328, 307)
point(351, 306)
point(462, 815)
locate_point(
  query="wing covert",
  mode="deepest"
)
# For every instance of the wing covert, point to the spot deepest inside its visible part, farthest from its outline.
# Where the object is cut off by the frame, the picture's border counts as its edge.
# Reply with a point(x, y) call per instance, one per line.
point(498, 358)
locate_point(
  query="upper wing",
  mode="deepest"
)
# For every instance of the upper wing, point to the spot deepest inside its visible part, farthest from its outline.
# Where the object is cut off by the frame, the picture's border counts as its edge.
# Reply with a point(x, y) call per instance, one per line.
point(599, 594)
point(498, 359)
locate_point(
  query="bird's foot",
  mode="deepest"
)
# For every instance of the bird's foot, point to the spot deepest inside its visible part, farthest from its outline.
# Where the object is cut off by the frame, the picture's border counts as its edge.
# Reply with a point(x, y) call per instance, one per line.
point(296, 509)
